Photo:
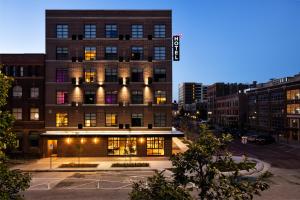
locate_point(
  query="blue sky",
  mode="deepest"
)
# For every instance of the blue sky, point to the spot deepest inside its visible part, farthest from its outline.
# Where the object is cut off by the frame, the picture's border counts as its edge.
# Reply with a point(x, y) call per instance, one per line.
point(223, 40)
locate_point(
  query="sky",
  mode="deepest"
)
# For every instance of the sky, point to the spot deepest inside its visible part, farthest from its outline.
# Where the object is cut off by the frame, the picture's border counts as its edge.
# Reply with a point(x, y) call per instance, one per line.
point(222, 40)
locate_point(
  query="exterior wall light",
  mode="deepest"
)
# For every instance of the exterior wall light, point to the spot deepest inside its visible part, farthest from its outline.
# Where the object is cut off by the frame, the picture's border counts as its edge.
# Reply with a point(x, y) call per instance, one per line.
point(68, 140)
point(96, 140)
point(142, 140)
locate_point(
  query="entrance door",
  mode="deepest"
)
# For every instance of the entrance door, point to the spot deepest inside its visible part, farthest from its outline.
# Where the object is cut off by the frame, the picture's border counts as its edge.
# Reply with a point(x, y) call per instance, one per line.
point(52, 147)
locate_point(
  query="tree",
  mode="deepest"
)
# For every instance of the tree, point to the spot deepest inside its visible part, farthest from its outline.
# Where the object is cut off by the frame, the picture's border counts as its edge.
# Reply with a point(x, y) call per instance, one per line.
point(202, 164)
point(158, 188)
point(11, 181)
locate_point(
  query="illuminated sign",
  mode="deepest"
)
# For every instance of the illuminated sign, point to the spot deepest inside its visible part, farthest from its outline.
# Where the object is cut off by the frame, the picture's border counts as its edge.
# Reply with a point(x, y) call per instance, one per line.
point(176, 40)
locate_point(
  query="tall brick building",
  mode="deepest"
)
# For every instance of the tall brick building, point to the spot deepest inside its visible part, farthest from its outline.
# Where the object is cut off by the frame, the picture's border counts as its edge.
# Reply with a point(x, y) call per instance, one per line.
point(108, 83)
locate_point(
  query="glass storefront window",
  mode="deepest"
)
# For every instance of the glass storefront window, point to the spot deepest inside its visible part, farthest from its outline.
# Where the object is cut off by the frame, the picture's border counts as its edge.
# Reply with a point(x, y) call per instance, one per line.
point(121, 146)
point(155, 146)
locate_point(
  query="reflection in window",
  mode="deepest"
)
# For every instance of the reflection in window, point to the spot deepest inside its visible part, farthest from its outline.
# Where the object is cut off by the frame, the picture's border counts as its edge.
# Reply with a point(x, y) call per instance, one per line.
point(137, 31)
point(160, 97)
point(137, 53)
point(111, 120)
point(90, 119)
point(61, 75)
point(159, 31)
point(90, 31)
point(159, 53)
point(90, 75)
point(90, 53)
point(111, 53)
point(155, 146)
point(111, 31)
point(121, 146)
point(62, 31)
point(61, 119)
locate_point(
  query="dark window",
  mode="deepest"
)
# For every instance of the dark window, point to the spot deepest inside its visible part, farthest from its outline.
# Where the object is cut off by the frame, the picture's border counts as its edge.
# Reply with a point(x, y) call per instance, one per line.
point(62, 53)
point(137, 75)
point(137, 31)
point(159, 53)
point(137, 119)
point(111, 31)
point(111, 75)
point(89, 97)
point(111, 97)
point(137, 97)
point(160, 75)
point(160, 119)
point(61, 75)
point(90, 119)
point(62, 31)
point(111, 53)
point(159, 31)
point(137, 53)
point(34, 139)
point(90, 31)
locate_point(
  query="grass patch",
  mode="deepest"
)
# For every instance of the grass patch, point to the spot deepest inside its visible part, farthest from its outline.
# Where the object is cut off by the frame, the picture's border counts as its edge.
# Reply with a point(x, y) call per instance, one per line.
point(75, 165)
point(130, 165)
point(240, 166)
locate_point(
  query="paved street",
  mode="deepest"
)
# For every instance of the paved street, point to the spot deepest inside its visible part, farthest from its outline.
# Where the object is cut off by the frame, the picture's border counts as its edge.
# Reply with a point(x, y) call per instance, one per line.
point(285, 166)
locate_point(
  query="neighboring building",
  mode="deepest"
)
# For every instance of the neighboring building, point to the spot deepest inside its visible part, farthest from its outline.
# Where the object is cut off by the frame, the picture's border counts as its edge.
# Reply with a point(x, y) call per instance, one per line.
point(190, 94)
point(226, 103)
point(108, 83)
point(26, 98)
point(274, 108)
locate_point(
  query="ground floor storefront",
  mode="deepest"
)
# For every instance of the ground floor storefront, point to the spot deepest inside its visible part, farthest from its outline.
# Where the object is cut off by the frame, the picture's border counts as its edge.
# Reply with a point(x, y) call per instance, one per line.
point(100, 146)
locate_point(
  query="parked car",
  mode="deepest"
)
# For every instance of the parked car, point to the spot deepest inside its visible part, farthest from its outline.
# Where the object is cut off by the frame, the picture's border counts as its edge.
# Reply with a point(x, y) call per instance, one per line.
point(264, 139)
point(251, 138)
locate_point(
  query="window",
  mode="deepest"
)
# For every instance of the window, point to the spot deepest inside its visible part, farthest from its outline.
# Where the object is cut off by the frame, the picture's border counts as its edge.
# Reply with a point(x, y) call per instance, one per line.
point(61, 75)
point(61, 119)
point(17, 91)
point(155, 146)
point(137, 31)
point(137, 53)
point(34, 92)
point(159, 31)
point(137, 97)
point(159, 53)
point(137, 75)
point(293, 109)
point(137, 120)
point(160, 97)
point(17, 113)
point(111, 53)
point(33, 139)
point(90, 75)
point(90, 53)
point(34, 114)
point(111, 97)
point(111, 120)
point(62, 53)
point(90, 31)
point(111, 31)
point(90, 119)
point(61, 97)
point(21, 71)
point(32, 70)
point(160, 75)
point(62, 31)
point(160, 119)
point(14, 71)
point(293, 94)
point(111, 75)
point(89, 97)
point(121, 146)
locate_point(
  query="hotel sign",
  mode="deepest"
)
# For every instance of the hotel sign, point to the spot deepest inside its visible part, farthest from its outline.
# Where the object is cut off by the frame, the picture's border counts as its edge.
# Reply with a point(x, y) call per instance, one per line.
point(176, 40)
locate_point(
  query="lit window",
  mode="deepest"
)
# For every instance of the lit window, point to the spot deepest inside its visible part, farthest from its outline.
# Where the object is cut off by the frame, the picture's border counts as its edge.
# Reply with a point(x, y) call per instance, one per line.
point(90, 75)
point(34, 114)
point(137, 120)
point(90, 119)
point(293, 109)
point(90, 31)
point(90, 53)
point(62, 31)
point(159, 31)
point(160, 119)
point(111, 120)
point(17, 91)
point(61, 97)
point(159, 53)
point(121, 146)
point(160, 97)
point(293, 94)
point(155, 146)
point(17, 113)
point(34, 92)
point(137, 31)
point(111, 97)
point(111, 31)
point(61, 119)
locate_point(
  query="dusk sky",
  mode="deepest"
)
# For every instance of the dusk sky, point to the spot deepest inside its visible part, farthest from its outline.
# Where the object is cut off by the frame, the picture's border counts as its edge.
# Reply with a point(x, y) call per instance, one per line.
point(223, 40)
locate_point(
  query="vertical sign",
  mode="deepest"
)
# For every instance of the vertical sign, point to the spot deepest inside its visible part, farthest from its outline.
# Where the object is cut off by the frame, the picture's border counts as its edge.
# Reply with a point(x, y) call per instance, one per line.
point(176, 39)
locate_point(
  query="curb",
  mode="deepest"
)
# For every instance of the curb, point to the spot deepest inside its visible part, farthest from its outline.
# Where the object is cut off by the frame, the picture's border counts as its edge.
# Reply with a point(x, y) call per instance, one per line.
point(87, 170)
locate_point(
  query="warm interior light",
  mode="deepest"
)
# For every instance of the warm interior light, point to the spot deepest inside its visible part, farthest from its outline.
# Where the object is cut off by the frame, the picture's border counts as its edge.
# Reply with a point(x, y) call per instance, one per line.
point(96, 140)
point(142, 140)
point(68, 140)
point(82, 140)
